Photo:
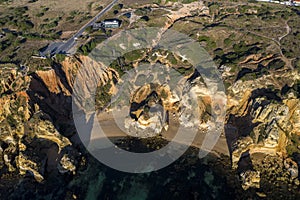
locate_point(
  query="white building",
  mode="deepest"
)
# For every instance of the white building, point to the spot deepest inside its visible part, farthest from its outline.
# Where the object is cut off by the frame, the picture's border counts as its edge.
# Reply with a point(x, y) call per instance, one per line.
point(111, 23)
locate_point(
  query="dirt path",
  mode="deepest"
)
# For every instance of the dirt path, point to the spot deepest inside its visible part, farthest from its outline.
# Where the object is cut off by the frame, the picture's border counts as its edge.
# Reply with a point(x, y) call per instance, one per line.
point(288, 31)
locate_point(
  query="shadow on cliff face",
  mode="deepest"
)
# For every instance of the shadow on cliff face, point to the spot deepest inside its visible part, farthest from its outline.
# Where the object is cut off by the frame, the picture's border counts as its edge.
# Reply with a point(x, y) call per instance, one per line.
point(272, 95)
point(57, 105)
point(238, 126)
point(245, 162)
point(242, 126)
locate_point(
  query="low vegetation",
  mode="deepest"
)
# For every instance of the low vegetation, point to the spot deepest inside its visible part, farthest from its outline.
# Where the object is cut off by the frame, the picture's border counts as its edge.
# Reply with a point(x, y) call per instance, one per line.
point(103, 96)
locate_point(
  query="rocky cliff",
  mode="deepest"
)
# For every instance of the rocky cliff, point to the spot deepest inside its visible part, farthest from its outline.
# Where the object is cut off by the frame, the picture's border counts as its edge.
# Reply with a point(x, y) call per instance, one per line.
point(25, 128)
point(36, 117)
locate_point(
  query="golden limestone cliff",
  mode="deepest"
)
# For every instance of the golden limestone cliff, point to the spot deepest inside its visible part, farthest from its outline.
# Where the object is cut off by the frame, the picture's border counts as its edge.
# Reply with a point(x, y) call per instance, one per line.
point(263, 121)
point(36, 113)
point(25, 129)
point(33, 111)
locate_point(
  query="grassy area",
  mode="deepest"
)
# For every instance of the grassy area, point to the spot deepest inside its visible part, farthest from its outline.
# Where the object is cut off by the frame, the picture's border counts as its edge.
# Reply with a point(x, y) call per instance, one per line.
point(235, 31)
point(120, 66)
point(208, 42)
point(102, 96)
point(87, 48)
point(134, 55)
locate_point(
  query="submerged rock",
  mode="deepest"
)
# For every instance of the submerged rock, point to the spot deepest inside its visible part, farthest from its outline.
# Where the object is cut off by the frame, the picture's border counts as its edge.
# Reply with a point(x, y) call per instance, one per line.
point(25, 165)
point(291, 167)
point(66, 164)
point(250, 179)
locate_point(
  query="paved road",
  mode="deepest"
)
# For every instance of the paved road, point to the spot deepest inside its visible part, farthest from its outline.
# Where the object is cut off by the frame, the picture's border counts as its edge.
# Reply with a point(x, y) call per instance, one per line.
point(71, 42)
point(65, 48)
point(51, 48)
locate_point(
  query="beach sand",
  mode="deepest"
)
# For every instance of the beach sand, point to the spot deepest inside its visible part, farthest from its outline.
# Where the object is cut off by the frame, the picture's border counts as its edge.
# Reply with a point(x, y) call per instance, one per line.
point(111, 130)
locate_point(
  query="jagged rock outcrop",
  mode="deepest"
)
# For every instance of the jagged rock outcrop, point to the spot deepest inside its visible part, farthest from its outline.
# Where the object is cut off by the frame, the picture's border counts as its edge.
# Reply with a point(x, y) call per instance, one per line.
point(66, 164)
point(291, 167)
point(262, 121)
point(294, 114)
point(274, 123)
point(26, 165)
point(250, 179)
point(183, 99)
point(238, 148)
point(52, 89)
point(24, 128)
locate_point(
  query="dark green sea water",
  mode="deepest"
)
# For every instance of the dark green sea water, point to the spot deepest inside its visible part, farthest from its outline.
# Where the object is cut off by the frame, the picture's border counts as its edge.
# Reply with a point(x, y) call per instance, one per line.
point(187, 178)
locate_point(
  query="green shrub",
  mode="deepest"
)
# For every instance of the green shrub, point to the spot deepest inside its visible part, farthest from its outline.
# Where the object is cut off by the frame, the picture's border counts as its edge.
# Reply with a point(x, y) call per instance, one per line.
point(60, 57)
point(87, 48)
point(41, 14)
point(276, 64)
point(142, 11)
point(227, 42)
point(102, 96)
point(172, 59)
point(45, 9)
point(133, 55)
point(240, 48)
point(210, 43)
point(164, 94)
point(25, 25)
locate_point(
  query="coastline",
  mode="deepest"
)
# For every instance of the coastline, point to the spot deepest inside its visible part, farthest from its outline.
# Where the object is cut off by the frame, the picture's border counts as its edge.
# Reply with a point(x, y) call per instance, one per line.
point(112, 131)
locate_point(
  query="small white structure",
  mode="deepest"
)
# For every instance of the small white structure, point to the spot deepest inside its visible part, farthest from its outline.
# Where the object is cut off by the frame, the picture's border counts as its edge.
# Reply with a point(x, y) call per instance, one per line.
point(111, 23)
point(287, 3)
